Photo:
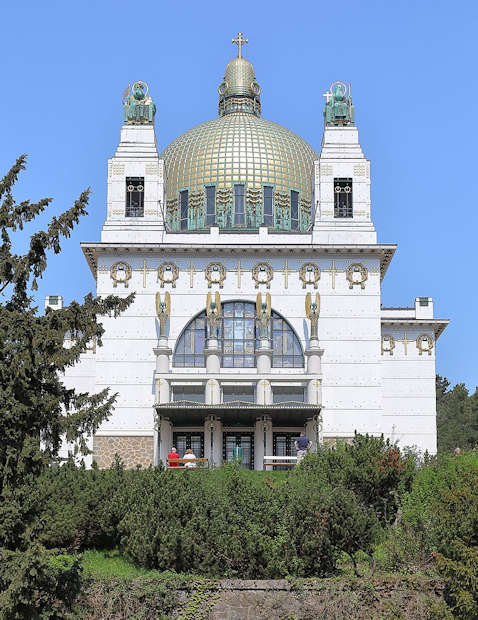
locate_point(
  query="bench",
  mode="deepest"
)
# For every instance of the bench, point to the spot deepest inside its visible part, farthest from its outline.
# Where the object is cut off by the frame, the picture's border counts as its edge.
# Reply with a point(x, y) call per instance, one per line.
point(181, 463)
point(280, 461)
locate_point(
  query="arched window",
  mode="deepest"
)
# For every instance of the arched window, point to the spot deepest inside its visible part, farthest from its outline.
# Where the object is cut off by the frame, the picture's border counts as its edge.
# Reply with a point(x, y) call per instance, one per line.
point(238, 340)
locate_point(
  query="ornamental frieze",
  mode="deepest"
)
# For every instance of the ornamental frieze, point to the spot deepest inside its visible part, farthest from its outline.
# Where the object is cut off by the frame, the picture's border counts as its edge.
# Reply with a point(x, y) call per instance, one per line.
point(120, 273)
point(356, 274)
point(262, 273)
point(168, 273)
point(215, 274)
point(309, 273)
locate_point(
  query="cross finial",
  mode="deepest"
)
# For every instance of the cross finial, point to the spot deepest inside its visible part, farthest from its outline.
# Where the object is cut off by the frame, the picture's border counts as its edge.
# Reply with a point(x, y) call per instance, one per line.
point(240, 40)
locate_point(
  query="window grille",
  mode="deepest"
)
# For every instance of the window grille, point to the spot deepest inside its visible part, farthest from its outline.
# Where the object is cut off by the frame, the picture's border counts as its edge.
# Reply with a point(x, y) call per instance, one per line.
point(210, 205)
point(239, 214)
point(134, 197)
point(268, 205)
point(183, 205)
point(343, 198)
point(294, 210)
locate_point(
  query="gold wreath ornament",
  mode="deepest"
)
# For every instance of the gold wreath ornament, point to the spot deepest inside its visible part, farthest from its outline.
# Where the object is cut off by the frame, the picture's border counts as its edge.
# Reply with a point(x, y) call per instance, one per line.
point(306, 269)
point(170, 268)
point(116, 269)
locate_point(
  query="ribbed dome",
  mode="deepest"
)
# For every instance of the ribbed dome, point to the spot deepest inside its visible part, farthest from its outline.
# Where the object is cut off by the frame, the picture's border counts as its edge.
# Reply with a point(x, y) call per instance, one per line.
point(240, 148)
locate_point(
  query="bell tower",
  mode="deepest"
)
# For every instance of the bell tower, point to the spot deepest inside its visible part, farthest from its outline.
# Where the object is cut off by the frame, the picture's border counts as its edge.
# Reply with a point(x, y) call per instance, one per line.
point(342, 176)
point(135, 199)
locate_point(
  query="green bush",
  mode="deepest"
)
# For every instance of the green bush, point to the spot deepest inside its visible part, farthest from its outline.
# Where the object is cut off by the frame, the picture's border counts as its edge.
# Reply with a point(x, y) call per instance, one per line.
point(461, 572)
point(37, 583)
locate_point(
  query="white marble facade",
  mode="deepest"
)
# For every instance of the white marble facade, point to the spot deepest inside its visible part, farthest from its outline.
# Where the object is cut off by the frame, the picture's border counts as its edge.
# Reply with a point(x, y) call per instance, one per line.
point(372, 371)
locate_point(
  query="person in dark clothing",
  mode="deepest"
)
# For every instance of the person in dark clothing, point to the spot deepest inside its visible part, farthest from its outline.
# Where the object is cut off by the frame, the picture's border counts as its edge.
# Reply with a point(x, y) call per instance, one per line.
point(302, 445)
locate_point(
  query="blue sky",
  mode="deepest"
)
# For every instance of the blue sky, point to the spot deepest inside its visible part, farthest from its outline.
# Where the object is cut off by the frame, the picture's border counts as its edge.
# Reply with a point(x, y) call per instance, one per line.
point(413, 70)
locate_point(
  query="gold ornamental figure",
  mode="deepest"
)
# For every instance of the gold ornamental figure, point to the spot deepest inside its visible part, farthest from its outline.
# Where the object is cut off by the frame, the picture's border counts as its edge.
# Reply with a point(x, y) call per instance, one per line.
point(213, 313)
point(163, 312)
point(263, 314)
point(312, 312)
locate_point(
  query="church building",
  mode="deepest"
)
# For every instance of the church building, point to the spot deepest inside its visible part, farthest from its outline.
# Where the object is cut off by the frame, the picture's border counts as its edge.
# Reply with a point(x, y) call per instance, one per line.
point(257, 275)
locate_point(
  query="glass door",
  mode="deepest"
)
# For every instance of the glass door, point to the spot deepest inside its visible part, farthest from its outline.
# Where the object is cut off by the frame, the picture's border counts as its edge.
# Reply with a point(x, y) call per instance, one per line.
point(283, 445)
point(194, 441)
point(239, 447)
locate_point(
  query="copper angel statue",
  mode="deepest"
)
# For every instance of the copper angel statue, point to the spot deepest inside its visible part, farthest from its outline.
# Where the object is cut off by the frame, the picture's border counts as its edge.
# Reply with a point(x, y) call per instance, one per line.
point(312, 311)
point(163, 312)
point(213, 313)
point(263, 314)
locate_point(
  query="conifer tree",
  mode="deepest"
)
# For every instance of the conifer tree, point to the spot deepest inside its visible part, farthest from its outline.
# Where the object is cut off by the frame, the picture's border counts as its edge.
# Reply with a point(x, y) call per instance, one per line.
point(36, 409)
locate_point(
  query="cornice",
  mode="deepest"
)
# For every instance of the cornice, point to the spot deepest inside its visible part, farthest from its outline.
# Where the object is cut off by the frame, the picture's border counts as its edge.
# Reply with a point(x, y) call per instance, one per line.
point(438, 325)
point(92, 250)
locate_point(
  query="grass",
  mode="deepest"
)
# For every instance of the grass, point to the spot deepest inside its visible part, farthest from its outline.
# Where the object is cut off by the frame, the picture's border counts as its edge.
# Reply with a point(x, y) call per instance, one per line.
point(100, 564)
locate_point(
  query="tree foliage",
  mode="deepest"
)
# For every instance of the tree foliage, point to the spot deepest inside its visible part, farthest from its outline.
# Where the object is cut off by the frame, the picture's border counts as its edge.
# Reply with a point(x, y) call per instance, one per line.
point(36, 409)
point(457, 416)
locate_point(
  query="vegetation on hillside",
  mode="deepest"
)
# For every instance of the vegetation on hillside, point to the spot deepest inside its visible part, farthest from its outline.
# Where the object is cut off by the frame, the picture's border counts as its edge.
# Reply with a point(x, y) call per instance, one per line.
point(457, 416)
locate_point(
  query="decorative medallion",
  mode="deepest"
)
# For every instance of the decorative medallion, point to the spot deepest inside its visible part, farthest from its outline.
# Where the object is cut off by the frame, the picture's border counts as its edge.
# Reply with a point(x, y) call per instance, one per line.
point(168, 273)
point(388, 344)
point(120, 273)
point(356, 273)
point(262, 273)
point(309, 273)
point(215, 274)
point(424, 344)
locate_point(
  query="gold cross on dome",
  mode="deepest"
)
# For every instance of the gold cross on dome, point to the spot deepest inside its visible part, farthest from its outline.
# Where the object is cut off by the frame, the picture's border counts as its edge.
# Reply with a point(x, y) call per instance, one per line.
point(286, 271)
point(333, 271)
point(405, 341)
point(240, 40)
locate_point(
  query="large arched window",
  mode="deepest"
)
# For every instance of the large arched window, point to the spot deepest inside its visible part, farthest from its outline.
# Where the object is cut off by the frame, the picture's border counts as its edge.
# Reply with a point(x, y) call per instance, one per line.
point(238, 339)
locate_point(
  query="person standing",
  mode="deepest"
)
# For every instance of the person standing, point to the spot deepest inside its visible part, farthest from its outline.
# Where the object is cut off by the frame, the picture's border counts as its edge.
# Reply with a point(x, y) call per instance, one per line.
point(302, 445)
point(172, 454)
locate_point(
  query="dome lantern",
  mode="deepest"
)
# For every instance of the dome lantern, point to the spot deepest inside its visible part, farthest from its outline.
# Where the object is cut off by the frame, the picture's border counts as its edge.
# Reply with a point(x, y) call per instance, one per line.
point(239, 90)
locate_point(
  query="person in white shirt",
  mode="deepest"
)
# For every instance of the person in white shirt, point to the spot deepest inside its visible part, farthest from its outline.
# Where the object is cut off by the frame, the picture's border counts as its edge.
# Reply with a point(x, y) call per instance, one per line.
point(189, 454)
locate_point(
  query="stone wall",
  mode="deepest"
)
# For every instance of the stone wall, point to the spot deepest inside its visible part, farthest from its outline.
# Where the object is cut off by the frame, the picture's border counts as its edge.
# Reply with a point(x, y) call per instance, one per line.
point(133, 451)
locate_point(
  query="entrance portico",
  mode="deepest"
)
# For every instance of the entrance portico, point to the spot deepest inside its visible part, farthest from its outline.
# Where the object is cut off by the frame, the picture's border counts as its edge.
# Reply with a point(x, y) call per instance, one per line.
point(217, 429)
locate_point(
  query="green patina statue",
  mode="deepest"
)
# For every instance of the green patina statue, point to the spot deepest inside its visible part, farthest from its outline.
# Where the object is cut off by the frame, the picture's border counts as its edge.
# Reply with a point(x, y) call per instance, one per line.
point(338, 108)
point(139, 109)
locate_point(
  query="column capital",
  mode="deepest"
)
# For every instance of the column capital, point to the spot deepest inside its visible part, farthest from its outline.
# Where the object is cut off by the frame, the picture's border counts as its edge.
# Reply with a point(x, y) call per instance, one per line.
point(162, 350)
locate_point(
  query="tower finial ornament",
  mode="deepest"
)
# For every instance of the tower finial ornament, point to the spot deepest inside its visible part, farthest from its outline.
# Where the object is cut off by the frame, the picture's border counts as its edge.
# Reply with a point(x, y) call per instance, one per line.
point(139, 108)
point(240, 40)
point(339, 109)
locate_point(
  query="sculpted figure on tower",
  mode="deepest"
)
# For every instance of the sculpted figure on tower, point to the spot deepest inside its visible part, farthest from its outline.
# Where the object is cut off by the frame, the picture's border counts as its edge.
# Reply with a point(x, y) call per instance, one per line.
point(139, 108)
point(338, 107)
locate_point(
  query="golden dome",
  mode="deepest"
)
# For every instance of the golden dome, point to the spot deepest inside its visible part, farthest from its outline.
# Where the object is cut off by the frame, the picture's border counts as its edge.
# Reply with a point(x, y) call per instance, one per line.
point(271, 166)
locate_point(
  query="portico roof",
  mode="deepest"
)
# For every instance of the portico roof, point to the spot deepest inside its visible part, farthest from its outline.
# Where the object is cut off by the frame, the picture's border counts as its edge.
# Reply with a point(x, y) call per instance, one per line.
point(184, 412)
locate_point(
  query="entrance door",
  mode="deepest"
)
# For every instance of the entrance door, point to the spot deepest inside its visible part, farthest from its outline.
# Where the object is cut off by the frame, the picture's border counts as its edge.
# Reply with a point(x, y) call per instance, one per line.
point(283, 445)
point(245, 441)
point(183, 441)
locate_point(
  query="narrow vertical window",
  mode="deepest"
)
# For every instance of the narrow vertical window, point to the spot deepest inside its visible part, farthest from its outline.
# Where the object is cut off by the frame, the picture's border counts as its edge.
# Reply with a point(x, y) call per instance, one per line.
point(134, 197)
point(268, 221)
point(343, 198)
point(294, 210)
point(211, 205)
point(183, 203)
point(239, 216)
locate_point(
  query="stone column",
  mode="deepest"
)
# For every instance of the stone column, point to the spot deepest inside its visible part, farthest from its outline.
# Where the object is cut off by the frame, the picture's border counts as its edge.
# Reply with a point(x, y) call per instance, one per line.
point(314, 354)
point(264, 357)
point(165, 439)
point(213, 392)
point(213, 356)
point(262, 441)
point(213, 448)
point(162, 352)
point(264, 392)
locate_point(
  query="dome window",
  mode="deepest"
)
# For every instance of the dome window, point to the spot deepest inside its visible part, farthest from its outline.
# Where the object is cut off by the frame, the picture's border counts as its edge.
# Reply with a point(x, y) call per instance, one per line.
point(268, 205)
point(211, 205)
point(183, 205)
point(239, 215)
point(294, 210)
